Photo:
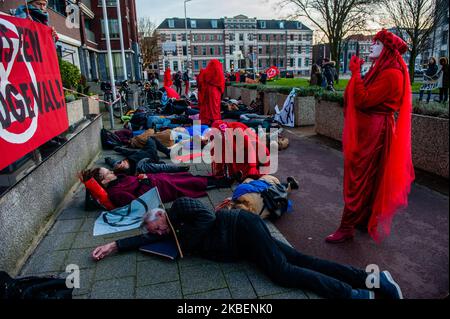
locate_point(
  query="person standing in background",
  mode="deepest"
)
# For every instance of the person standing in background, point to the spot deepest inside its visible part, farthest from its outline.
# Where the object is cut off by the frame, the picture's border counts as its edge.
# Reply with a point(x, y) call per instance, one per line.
point(36, 10)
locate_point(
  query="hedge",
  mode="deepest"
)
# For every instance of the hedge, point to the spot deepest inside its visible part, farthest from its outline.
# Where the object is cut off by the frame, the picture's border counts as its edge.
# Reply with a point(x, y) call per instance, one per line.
point(431, 109)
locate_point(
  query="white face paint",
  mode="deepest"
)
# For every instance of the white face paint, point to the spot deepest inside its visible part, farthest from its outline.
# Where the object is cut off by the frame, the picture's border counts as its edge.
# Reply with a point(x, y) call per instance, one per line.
point(375, 49)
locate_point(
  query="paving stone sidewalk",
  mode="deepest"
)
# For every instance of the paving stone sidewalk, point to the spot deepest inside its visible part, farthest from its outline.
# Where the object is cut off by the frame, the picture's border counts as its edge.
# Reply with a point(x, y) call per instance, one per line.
point(138, 275)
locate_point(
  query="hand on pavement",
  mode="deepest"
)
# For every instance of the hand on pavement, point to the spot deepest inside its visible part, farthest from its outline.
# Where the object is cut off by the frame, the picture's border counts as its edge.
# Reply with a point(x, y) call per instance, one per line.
point(102, 251)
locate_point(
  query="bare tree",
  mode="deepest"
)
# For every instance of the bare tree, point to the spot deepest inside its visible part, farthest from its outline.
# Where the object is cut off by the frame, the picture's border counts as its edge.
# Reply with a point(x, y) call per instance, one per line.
point(148, 41)
point(415, 21)
point(335, 18)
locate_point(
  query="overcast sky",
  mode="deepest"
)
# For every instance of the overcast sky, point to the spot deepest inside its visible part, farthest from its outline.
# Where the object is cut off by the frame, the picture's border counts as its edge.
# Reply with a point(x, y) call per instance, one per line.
point(158, 10)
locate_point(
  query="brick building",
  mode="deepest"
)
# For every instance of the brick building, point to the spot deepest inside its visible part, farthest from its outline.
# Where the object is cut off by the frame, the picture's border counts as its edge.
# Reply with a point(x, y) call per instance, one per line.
point(85, 46)
point(239, 43)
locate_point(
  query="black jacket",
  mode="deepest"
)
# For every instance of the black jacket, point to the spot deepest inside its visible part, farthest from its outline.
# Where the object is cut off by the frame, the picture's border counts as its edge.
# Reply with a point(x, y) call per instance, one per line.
point(199, 231)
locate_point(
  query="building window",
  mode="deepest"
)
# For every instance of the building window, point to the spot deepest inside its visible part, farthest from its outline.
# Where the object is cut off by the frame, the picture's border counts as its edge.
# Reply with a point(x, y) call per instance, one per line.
point(262, 24)
point(281, 25)
point(203, 37)
point(299, 64)
point(196, 65)
point(299, 25)
point(281, 63)
point(193, 24)
point(231, 49)
point(195, 37)
point(109, 3)
point(175, 65)
point(259, 63)
point(241, 37)
point(214, 24)
point(183, 37)
point(231, 36)
point(299, 49)
point(113, 25)
point(204, 63)
point(291, 62)
point(184, 50)
point(220, 52)
point(219, 37)
point(60, 6)
point(306, 62)
point(203, 50)
point(171, 23)
point(174, 37)
point(444, 38)
point(211, 50)
point(195, 50)
point(307, 50)
point(259, 37)
point(260, 50)
point(292, 37)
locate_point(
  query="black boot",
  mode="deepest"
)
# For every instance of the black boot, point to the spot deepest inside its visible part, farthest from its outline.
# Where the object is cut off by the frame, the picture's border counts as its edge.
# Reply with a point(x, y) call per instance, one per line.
point(293, 182)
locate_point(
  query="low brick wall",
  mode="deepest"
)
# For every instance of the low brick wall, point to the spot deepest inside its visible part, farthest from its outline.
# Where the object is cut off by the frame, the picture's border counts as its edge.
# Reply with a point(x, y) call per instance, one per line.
point(30, 207)
point(429, 136)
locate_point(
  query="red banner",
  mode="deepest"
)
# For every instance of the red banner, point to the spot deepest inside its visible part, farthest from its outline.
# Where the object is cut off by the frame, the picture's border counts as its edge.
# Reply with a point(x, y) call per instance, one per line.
point(32, 104)
point(272, 72)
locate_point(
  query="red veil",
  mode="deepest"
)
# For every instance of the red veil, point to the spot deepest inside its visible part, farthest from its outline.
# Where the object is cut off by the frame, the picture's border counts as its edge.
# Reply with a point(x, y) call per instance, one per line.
point(398, 172)
point(168, 78)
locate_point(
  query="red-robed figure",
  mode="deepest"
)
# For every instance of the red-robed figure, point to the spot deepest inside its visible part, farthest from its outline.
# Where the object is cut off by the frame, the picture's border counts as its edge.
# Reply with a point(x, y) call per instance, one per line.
point(378, 169)
point(211, 85)
point(167, 78)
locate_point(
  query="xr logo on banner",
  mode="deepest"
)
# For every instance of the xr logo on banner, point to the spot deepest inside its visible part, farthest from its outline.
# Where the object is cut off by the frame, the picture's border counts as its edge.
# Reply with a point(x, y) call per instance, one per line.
point(5, 72)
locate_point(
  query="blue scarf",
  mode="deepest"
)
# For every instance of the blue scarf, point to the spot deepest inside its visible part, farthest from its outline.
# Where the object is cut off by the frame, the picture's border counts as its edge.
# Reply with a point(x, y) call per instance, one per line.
point(36, 14)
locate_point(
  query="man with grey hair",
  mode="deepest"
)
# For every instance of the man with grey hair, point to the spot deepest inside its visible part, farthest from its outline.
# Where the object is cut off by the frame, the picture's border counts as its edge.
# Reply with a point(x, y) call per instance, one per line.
point(231, 235)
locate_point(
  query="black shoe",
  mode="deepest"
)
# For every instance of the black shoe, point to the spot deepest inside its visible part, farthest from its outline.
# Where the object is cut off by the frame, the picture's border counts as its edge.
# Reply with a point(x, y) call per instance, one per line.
point(293, 182)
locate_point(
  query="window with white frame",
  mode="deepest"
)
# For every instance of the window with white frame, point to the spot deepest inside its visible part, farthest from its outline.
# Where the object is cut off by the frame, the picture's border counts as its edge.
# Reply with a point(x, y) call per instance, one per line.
point(214, 24)
point(171, 23)
point(193, 24)
point(262, 24)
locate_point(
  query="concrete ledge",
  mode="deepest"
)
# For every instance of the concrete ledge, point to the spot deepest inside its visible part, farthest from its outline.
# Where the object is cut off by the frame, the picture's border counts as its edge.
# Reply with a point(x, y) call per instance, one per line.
point(248, 96)
point(270, 100)
point(30, 207)
point(75, 111)
point(91, 106)
point(429, 136)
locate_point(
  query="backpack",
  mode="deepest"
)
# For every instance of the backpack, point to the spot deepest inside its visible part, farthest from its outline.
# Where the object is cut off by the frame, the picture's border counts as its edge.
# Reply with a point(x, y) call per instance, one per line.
point(109, 139)
point(275, 199)
point(33, 287)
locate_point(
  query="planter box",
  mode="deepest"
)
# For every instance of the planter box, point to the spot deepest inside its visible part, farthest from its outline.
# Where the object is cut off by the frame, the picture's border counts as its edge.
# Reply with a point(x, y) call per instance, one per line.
point(235, 92)
point(270, 100)
point(90, 106)
point(429, 136)
point(29, 208)
point(329, 119)
point(305, 111)
point(75, 111)
point(248, 95)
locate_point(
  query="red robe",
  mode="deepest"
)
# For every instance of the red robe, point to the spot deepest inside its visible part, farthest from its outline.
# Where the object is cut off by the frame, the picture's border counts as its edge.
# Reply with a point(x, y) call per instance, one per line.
point(171, 93)
point(167, 78)
point(368, 150)
point(252, 163)
point(212, 86)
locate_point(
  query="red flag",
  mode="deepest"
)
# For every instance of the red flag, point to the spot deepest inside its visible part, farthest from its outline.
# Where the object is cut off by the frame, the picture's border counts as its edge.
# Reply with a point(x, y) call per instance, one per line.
point(272, 72)
point(32, 104)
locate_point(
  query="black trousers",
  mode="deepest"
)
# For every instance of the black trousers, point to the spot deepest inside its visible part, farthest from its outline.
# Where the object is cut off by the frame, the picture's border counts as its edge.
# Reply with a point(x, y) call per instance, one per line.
point(443, 94)
point(290, 268)
point(148, 151)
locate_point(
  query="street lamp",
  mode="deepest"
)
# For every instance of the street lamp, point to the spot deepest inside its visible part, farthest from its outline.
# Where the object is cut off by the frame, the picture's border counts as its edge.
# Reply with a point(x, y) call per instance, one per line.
point(186, 31)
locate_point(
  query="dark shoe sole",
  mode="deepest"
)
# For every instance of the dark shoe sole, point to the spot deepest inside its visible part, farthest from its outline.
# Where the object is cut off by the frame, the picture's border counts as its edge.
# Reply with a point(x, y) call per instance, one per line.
point(343, 240)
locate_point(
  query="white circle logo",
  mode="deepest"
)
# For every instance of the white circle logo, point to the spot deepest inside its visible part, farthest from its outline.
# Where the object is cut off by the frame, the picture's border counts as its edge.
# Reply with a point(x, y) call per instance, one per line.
point(28, 133)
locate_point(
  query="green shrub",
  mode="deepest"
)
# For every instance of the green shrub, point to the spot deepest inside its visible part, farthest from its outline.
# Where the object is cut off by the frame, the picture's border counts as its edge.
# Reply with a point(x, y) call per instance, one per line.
point(331, 97)
point(309, 91)
point(70, 97)
point(435, 109)
point(70, 74)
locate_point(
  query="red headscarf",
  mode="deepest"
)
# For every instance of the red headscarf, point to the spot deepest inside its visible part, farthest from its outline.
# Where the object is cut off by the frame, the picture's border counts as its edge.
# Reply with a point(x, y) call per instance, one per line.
point(167, 78)
point(213, 75)
point(398, 170)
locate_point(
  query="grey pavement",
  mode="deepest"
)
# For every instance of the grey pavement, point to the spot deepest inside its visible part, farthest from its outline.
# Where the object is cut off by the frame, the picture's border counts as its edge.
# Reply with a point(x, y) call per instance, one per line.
point(144, 276)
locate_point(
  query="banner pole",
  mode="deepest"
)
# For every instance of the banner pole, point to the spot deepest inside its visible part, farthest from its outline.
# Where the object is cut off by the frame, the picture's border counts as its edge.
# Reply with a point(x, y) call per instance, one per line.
point(110, 62)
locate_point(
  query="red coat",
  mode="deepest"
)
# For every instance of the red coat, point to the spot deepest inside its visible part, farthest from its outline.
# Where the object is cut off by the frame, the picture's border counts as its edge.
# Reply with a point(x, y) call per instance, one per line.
point(211, 87)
